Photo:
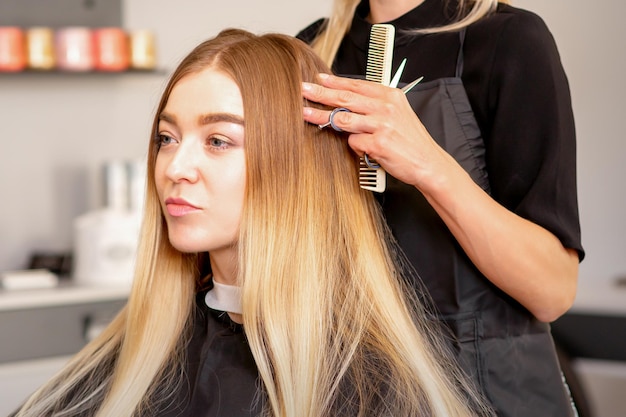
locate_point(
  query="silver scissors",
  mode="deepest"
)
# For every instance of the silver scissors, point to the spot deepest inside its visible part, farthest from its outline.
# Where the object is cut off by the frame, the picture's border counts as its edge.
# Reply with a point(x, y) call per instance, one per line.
point(396, 79)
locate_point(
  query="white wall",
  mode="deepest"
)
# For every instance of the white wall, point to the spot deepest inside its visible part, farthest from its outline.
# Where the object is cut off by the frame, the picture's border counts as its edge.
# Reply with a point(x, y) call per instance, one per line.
point(57, 130)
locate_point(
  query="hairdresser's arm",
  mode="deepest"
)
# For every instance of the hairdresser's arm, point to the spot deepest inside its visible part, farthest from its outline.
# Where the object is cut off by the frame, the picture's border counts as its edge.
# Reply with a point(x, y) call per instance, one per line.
point(523, 259)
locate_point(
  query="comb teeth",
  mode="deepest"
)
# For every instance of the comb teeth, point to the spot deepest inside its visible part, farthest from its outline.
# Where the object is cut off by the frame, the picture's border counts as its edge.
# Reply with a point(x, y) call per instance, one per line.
point(372, 179)
point(379, 54)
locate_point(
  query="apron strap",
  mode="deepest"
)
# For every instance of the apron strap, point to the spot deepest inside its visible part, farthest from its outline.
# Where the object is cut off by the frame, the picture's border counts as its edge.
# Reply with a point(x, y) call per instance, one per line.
point(459, 58)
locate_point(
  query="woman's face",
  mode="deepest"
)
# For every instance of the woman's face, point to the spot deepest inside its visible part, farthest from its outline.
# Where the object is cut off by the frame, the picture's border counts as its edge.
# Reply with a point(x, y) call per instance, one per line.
point(200, 166)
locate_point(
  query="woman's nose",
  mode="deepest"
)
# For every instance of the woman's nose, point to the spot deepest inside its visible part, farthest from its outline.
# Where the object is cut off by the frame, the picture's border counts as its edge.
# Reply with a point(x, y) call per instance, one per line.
point(185, 162)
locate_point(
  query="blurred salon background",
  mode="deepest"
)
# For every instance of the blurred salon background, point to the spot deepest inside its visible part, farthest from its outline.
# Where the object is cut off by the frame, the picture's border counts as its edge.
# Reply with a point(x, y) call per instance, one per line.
point(74, 138)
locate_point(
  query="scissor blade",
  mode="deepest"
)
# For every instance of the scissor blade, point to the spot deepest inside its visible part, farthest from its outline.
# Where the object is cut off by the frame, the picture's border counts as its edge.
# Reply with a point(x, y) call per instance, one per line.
point(396, 78)
point(410, 85)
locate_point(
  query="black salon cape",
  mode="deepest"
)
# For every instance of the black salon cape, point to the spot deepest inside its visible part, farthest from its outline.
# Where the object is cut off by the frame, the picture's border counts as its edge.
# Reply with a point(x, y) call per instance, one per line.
point(221, 376)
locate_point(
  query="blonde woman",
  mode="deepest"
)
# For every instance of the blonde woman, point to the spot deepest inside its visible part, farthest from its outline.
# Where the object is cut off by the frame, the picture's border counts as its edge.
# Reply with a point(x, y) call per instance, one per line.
point(481, 157)
point(267, 283)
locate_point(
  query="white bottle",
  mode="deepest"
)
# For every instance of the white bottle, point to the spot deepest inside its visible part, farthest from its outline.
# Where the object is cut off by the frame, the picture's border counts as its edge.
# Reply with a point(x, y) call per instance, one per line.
point(105, 240)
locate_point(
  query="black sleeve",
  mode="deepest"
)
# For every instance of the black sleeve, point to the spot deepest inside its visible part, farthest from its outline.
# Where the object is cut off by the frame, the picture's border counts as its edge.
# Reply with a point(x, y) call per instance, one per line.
point(531, 146)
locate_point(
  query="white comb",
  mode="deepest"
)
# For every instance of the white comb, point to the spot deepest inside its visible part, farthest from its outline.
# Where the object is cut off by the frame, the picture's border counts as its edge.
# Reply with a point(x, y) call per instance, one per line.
point(379, 53)
point(372, 179)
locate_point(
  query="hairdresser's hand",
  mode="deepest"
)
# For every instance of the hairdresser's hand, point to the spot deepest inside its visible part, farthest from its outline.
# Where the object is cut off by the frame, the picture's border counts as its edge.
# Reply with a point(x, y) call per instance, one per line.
point(383, 125)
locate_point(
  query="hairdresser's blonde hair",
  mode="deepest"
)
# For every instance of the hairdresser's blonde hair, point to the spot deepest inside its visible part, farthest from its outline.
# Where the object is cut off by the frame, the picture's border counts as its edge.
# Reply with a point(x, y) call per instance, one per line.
point(332, 325)
point(327, 43)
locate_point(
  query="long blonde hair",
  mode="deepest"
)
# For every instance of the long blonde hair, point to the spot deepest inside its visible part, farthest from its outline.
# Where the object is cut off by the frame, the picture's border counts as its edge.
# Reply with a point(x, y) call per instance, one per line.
point(332, 325)
point(327, 42)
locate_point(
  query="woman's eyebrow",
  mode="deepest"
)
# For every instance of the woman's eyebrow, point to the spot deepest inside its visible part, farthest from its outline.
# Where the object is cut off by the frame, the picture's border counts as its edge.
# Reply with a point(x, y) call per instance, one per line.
point(166, 117)
point(206, 119)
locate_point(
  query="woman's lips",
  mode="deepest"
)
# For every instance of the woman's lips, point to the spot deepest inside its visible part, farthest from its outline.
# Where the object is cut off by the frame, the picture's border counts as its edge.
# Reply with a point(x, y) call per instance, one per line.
point(177, 207)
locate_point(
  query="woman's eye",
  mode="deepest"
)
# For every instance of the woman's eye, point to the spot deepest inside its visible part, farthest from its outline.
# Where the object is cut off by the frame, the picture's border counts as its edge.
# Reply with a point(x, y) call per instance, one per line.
point(217, 142)
point(165, 140)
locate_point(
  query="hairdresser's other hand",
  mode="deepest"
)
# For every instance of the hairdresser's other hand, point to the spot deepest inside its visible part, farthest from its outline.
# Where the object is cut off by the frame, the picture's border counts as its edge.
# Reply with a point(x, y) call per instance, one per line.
point(383, 125)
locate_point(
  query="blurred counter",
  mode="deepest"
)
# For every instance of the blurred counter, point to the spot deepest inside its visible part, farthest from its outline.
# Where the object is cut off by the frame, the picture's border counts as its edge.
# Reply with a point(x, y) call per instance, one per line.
point(61, 295)
point(57, 321)
point(41, 329)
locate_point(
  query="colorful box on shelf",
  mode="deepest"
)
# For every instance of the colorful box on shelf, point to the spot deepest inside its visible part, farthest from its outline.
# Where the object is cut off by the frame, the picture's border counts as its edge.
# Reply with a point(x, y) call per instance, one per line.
point(76, 49)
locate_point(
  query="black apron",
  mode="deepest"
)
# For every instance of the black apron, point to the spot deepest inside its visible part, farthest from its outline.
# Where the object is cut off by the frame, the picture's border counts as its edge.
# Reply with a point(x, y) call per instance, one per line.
point(508, 353)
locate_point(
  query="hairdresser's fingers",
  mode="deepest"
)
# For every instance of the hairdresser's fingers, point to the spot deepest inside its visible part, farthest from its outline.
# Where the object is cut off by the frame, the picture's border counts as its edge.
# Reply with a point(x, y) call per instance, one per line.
point(365, 101)
point(359, 86)
point(365, 115)
point(337, 98)
point(344, 120)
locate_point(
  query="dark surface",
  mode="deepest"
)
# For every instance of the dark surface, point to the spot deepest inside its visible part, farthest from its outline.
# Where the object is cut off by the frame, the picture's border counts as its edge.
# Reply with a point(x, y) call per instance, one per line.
point(595, 336)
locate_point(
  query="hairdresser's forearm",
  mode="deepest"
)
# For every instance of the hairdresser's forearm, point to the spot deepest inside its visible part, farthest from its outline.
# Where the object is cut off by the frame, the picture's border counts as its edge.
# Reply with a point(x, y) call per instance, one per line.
point(523, 259)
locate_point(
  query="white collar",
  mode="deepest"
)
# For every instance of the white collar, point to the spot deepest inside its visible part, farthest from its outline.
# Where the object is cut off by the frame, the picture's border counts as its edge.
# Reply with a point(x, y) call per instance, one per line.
point(224, 297)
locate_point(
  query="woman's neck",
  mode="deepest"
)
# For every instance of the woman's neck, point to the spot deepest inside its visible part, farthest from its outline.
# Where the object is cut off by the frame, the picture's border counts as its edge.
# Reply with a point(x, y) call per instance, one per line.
point(224, 271)
point(387, 10)
point(224, 268)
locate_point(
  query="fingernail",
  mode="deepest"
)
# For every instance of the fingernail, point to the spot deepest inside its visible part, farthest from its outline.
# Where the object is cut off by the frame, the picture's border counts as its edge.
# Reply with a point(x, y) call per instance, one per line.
point(306, 86)
point(323, 76)
point(307, 111)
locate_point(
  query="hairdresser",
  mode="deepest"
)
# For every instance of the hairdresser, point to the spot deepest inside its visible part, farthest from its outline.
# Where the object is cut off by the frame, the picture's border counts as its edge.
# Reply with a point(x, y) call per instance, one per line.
point(481, 184)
